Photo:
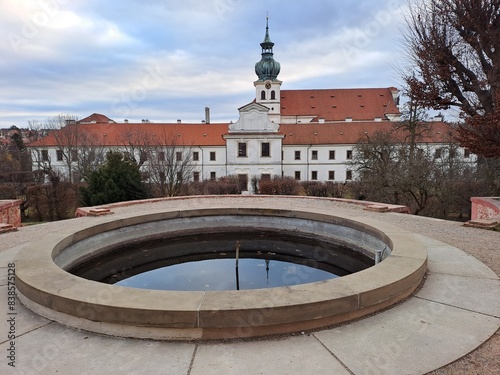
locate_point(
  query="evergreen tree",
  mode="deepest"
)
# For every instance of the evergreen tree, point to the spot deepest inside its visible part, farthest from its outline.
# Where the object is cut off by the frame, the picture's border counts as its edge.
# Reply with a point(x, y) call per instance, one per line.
point(117, 180)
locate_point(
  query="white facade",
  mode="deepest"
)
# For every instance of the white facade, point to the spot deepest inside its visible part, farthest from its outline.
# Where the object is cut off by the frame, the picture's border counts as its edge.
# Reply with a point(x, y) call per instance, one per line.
point(309, 135)
point(317, 162)
point(254, 144)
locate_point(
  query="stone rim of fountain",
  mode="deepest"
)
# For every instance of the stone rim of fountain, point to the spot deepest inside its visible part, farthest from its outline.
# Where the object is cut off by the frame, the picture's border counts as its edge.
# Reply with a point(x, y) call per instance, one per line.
point(48, 290)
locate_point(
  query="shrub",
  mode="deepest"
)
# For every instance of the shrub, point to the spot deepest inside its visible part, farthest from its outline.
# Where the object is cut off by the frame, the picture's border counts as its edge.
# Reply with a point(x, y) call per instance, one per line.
point(51, 201)
point(221, 186)
point(118, 179)
point(281, 186)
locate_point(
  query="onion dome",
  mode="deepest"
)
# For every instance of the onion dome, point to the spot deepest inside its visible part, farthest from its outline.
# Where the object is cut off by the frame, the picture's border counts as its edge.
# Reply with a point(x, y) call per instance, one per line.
point(267, 68)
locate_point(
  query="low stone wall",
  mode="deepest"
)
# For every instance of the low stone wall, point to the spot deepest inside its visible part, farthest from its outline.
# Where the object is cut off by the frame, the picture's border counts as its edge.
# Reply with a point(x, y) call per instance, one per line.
point(485, 208)
point(10, 212)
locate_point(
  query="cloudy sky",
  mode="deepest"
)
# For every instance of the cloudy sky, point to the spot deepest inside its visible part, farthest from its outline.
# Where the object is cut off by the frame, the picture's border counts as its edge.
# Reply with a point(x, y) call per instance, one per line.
point(165, 60)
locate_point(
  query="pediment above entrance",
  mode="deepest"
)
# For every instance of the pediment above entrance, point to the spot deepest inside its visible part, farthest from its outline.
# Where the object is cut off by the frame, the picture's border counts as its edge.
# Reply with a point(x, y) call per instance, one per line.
point(254, 118)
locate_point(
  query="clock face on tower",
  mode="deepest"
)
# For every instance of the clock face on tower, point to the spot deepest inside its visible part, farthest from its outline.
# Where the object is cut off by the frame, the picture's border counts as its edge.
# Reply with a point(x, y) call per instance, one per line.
point(268, 85)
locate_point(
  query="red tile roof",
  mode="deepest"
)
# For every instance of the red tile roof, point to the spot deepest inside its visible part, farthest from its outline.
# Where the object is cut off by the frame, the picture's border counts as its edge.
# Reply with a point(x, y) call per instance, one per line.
point(115, 134)
point(352, 132)
point(95, 118)
point(338, 104)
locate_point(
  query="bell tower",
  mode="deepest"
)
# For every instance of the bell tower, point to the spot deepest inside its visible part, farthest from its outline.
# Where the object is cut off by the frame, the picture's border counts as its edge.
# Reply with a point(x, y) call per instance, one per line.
point(267, 87)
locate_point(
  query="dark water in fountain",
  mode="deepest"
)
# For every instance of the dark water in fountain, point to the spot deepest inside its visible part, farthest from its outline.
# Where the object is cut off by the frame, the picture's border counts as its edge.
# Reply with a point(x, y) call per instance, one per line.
point(220, 274)
point(207, 262)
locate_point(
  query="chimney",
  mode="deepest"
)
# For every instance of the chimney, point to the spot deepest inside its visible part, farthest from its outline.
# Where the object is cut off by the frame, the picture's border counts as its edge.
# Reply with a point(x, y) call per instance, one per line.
point(179, 121)
point(207, 115)
point(125, 121)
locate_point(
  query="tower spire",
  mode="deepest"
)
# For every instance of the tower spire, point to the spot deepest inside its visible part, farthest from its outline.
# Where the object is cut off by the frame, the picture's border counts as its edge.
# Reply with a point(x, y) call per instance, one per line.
point(267, 68)
point(266, 38)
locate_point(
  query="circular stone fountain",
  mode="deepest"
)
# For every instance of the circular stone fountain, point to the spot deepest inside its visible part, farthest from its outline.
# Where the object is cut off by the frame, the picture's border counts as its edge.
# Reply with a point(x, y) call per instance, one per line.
point(45, 286)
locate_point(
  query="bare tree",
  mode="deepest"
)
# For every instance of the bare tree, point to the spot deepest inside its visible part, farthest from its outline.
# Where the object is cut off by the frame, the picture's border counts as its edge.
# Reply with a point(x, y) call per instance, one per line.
point(390, 170)
point(454, 50)
point(414, 125)
point(78, 148)
point(90, 154)
point(68, 138)
point(139, 144)
point(435, 181)
point(375, 162)
point(167, 165)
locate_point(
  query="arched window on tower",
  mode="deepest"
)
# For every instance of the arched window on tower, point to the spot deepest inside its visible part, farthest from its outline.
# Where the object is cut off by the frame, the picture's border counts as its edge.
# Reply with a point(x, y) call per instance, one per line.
point(262, 95)
point(273, 95)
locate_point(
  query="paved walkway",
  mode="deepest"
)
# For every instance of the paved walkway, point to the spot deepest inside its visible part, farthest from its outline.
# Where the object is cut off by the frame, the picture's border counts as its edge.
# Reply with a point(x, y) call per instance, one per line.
point(457, 309)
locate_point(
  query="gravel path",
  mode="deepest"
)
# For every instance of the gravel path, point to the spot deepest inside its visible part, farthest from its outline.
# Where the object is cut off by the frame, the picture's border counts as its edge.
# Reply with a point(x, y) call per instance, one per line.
point(482, 244)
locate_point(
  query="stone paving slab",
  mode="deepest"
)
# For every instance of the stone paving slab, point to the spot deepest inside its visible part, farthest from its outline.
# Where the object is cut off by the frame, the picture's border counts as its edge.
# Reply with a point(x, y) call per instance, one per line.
point(415, 337)
point(474, 294)
point(54, 349)
point(447, 259)
point(6, 257)
point(26, 320)
point(3, 274)
point(303, 355)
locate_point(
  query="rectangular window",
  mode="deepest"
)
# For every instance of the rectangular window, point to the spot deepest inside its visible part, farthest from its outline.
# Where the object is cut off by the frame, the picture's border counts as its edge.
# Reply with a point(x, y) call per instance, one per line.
point(59, 154)
point(437, 153)
point(265, 150)
point(45, 155)
point(162, 176)
point(331, 175)
point(314, 175)
point(196, 156)
point(242, 150)
point(74, 155)
point(178, 156)
point(349, 155)
point(348, 175)
point(332, 155)
point(213, 176)
point(297, 175)
point(314, 155)
point(467, 153)
point(196, 176)
point(297, 155)
point(243, 181)
point(179, 176)
point(143, 157)
point(161, 156)
point(212, 155)
point(265, 176)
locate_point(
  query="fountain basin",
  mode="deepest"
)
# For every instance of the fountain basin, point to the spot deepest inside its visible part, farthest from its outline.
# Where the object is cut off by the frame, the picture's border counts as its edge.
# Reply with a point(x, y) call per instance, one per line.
point(47, 288)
